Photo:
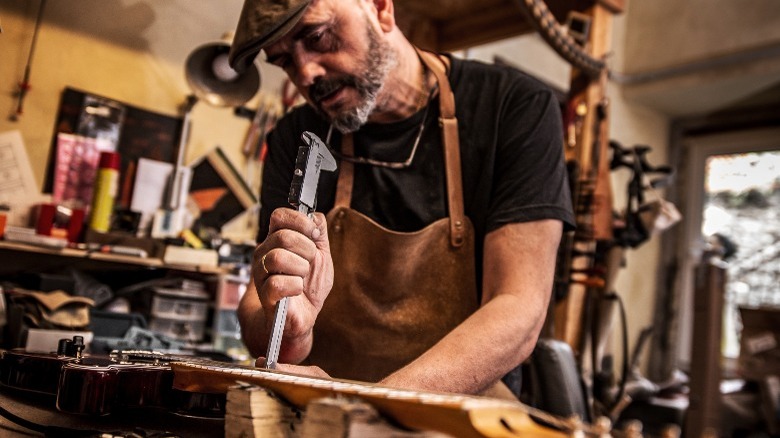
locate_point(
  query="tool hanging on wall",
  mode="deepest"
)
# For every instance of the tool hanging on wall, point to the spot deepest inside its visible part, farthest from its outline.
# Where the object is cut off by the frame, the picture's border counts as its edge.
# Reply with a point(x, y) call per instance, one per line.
point(584, 285)
point(566, 42)
point(24, 85)
point(642, 217)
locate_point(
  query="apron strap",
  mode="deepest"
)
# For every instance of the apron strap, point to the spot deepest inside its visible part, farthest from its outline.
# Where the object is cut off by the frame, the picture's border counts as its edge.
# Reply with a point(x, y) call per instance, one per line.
point(346, 174)
point(449, 133)
point(451, 143)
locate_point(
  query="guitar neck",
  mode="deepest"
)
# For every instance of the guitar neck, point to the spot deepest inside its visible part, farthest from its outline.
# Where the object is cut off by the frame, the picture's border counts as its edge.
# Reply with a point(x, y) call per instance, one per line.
point(457, 415)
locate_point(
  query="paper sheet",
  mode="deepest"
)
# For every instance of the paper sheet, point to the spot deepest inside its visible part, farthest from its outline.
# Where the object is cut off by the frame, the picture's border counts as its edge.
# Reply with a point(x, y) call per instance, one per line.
point(17, 182)
point(151, 180)
point(18, 189)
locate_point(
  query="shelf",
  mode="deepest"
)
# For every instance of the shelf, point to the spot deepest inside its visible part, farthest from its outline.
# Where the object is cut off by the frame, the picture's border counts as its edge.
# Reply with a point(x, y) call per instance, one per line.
point(20, 258)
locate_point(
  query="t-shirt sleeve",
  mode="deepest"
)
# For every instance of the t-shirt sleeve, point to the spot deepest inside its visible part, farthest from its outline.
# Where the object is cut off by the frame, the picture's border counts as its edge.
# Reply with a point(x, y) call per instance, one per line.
point(277, 174)
point(531, 181)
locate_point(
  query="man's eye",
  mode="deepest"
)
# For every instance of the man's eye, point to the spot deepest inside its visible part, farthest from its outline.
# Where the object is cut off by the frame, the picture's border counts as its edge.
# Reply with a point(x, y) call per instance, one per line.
point(316, 37)
point(282, 61)
point(319, 41)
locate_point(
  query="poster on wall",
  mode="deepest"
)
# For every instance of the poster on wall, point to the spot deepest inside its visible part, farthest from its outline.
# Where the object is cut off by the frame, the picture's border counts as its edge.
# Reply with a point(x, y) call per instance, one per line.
point(132, 131)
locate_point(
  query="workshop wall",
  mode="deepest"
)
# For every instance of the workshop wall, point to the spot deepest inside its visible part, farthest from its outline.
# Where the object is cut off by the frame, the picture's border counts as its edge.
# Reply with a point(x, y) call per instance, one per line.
point(133, 52)
point(697, 56)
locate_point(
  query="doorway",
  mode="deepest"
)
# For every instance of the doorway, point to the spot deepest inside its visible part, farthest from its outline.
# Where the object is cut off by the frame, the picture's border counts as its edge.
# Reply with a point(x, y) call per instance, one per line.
point(741, 216)
point(733, 202)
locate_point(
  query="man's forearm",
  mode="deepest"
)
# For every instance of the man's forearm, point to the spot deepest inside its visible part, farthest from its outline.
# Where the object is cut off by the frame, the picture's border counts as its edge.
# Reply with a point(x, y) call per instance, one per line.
point(518, 271)
point(489, 344)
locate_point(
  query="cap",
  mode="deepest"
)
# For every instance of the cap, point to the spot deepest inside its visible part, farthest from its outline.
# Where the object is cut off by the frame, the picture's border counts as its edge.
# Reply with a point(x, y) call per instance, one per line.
point(109, 160)
point(262, 22)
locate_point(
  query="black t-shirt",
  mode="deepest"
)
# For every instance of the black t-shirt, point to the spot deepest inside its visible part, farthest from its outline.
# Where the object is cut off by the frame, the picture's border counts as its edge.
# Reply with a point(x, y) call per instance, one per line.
point(511, 153)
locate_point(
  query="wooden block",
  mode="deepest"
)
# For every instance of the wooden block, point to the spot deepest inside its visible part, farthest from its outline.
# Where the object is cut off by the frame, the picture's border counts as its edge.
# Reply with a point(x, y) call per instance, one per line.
point(350, 418)
point(180, 255)
point(252, 411)
point(770, 403)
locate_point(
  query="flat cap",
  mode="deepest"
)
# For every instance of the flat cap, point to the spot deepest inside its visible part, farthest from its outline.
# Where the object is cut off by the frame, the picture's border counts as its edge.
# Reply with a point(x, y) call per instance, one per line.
point(262, 22)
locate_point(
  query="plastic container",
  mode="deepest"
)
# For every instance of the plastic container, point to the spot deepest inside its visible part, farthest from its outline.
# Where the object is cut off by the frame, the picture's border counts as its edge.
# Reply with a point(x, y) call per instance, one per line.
point(176, 308)
point(182, 330)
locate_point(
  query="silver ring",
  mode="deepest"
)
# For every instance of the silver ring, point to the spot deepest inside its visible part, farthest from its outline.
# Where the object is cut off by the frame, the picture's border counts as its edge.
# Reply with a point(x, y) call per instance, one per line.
point(262, 262)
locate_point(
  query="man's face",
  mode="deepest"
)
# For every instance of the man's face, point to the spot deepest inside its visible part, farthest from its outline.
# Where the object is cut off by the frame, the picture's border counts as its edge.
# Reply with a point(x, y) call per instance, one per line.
point(337, 59)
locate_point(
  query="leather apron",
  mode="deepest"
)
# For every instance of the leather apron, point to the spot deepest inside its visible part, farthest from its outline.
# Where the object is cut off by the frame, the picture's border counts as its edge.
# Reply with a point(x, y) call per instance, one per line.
point(396, 294)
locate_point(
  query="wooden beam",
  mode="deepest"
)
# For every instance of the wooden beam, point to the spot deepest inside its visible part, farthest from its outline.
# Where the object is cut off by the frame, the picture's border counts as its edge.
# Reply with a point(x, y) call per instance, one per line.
point(485, 27)
point(489, 24)
point(449, 25)
point(420, 31)
point(614, 6)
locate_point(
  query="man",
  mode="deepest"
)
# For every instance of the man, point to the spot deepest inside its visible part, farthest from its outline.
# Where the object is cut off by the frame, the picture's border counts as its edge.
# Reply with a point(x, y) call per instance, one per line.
point(434, 267)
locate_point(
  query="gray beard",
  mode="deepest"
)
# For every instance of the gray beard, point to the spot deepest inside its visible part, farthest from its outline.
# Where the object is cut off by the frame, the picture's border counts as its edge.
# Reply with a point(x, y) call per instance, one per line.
point(380, 61)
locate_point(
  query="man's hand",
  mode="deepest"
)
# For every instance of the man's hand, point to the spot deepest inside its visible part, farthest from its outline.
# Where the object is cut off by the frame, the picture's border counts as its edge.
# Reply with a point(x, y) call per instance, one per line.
point(293, 261)
point(310, 371)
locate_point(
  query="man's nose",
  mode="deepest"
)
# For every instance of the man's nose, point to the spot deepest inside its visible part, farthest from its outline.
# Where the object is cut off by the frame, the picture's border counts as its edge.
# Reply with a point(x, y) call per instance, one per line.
point(308, 69)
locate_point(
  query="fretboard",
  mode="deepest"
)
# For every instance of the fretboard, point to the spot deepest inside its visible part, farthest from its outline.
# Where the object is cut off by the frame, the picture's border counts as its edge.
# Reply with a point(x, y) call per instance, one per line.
point(457, 415)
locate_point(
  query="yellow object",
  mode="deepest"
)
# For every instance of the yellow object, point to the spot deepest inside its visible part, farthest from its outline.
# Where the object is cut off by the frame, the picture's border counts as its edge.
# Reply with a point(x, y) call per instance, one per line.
point(192, 239)
point(106, 187)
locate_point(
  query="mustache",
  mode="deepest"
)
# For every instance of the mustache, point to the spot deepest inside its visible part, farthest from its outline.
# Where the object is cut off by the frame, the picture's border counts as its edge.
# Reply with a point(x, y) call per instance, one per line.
point(323, 87)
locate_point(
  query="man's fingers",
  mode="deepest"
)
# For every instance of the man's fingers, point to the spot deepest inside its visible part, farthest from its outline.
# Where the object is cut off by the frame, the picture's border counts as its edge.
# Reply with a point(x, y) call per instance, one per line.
point(278, 286)
point(315, 227)
point(311, 371)
point(287, 218)
point(284, 262)
point(319, 232)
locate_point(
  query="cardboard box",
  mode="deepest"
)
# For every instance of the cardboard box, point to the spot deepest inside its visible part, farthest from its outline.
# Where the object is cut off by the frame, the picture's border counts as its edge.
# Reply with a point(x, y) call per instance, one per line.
point(760, 342)
point(46, 341)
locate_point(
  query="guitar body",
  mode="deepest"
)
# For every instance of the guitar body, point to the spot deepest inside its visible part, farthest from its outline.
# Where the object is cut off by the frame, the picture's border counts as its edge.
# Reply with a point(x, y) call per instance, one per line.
point(100, 385)
point(98, 389)
point(38, 373)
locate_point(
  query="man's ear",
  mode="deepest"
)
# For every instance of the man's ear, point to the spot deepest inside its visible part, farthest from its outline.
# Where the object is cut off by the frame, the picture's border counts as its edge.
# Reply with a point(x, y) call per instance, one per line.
point(385, 14)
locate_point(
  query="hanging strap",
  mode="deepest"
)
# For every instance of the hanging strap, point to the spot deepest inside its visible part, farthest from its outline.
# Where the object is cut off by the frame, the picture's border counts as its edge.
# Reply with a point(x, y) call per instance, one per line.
point(346, 173)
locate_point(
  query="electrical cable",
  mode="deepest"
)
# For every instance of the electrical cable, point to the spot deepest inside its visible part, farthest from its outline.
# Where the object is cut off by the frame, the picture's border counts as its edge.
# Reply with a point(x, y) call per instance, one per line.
point(53, 431)
point(625, 367)
point(24, 86)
